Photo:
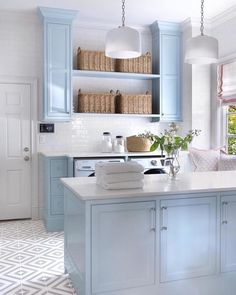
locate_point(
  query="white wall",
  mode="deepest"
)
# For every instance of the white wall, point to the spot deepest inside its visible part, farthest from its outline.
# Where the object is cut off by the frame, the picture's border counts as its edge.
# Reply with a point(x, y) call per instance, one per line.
point(225, 32)
point(196, 95)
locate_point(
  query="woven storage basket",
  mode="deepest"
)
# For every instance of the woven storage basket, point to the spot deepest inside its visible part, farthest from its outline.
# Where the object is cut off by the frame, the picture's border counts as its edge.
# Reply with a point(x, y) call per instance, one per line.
point(138, 144)
point(95, 102)
point(94, 61)
point(142, 64)
point(134, 103)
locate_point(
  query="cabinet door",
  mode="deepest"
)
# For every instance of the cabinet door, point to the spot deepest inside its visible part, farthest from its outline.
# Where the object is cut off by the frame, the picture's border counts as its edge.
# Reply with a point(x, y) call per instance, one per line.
point(57, 63)
point(123, 246)
point(228, 233)
point(170, 76)
point(57, 92)
point(188, 238)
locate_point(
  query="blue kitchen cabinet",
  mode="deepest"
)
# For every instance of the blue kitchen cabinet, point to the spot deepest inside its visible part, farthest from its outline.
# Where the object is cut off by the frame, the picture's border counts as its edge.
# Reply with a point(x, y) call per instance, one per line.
point(166, 42)
point(57, 97)
point(52, 169)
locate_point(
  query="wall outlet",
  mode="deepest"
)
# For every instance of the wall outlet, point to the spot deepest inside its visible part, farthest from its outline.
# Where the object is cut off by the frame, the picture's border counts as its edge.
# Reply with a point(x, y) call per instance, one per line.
point(42, 139)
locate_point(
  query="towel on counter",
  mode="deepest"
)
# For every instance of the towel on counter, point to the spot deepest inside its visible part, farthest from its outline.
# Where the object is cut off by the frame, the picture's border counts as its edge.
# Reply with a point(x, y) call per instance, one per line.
point(110, 168)
point(123, 185)
point(119, 177)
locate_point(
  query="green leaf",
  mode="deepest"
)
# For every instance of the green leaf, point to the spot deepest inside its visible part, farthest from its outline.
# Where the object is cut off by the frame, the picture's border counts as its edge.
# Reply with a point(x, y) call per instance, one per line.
point(154, 146)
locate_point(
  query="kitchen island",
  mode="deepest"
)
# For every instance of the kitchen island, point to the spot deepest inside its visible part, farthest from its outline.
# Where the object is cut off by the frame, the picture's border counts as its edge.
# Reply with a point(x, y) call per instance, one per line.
point(169, 238)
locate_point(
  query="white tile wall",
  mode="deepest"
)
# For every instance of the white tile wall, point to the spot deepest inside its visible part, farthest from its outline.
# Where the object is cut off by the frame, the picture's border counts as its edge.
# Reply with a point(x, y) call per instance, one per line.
point(85, 133)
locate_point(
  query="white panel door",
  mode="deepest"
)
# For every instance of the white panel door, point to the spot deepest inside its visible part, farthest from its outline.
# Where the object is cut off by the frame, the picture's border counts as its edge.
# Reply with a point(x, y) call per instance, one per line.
point(123, 246)
point(188, 238)
point(15, 164)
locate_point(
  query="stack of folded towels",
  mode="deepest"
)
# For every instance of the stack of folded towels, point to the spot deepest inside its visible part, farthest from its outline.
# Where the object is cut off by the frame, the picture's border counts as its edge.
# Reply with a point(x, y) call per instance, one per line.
point(119, 175)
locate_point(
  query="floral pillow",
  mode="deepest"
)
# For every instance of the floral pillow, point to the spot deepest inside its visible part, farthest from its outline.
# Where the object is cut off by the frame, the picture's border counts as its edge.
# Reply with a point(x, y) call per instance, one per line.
point(227, 162)
point(205, 160)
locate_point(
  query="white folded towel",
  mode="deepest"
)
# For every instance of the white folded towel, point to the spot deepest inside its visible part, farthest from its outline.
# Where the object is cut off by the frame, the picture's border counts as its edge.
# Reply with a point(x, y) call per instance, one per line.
point(119, 177)
point(109, 168)
point(123, 185)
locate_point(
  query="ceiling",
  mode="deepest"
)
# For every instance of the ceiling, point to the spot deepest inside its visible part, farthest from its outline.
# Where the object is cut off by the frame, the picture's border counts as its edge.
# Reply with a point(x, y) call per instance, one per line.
point(137, 12)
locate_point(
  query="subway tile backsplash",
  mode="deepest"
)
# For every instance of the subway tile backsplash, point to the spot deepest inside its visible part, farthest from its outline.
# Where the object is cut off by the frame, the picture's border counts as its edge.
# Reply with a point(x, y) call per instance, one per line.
point(84, 133)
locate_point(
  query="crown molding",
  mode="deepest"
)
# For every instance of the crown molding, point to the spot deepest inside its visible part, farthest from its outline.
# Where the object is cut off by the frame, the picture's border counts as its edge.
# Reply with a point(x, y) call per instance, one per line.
point(217, 20)
point(224, 16)
point(195, 23)
point(106, 26)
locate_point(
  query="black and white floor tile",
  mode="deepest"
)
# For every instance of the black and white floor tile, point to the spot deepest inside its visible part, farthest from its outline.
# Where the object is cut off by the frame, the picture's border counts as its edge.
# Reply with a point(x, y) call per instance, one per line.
point(32, 260)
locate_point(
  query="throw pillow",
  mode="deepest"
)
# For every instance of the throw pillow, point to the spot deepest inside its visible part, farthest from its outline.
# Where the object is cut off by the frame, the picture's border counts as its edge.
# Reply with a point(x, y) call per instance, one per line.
point(227, 162)
point(204, 160)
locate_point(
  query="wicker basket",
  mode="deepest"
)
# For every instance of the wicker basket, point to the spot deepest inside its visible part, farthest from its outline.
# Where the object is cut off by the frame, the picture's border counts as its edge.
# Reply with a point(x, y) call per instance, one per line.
point(138, 144)
point(94, 61)
point(134, 103)
point(142, 64)
point(95, 102)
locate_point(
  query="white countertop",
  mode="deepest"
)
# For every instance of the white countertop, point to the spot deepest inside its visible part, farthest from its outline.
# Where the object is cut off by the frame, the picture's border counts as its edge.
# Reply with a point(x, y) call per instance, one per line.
point(156, 185)
point(96, 154)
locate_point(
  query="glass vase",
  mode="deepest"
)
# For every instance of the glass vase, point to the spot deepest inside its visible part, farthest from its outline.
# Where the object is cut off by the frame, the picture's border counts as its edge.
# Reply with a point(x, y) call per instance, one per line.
point(172, 161)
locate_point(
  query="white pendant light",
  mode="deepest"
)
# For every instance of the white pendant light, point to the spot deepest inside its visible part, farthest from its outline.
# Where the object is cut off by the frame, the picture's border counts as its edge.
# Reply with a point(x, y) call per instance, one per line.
point(123, 42)
point(201, 49)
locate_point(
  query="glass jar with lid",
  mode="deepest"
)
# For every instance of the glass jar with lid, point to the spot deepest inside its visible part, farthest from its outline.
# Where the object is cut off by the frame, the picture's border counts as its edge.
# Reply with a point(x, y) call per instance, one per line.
point(119, 144)
point(106, 142)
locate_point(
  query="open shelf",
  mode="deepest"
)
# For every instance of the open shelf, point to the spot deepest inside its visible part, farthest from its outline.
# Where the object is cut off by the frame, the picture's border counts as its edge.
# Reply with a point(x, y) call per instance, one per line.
point(117, 75)
point(117, 115)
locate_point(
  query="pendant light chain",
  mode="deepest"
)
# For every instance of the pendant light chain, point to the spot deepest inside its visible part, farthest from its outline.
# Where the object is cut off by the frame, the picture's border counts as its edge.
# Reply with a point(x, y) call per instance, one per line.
point(202, 17)
point(123, 13)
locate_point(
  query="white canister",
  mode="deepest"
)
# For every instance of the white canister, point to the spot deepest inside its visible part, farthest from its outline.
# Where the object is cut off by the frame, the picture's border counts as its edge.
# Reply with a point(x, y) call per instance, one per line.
point(106, 142)
point(119, 144)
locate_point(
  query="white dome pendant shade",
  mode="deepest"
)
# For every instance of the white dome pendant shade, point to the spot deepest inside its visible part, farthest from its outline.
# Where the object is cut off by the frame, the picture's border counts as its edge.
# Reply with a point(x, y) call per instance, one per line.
point(123, 42)
point(201, 49)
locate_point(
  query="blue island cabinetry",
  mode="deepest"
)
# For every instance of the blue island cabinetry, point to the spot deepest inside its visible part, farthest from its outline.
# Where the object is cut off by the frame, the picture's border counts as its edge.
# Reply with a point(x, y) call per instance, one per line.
point(163, 239)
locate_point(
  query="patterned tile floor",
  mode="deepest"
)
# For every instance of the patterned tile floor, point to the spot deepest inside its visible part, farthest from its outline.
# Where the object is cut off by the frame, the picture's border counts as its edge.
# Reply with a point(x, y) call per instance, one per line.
point(31, 260)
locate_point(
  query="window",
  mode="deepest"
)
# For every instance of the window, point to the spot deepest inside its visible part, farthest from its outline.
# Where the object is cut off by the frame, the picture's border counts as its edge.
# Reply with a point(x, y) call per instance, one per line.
point(231, 129)
point(227, 94)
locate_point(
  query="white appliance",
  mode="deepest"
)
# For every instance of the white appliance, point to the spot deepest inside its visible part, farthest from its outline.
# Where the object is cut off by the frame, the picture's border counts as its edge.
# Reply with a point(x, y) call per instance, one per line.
point(86, 167)
point(153, 165)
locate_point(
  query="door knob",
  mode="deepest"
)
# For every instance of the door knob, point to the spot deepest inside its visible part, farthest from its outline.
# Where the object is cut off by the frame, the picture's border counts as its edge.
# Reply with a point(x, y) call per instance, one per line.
point(26, 158)
point(26, 149)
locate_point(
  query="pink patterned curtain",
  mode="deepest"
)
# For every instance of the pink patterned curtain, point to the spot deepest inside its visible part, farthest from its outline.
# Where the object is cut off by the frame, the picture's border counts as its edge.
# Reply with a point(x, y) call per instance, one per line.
point(227, 83)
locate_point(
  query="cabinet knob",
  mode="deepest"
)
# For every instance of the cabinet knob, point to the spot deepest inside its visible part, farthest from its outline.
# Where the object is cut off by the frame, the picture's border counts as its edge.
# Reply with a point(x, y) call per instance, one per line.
point(162, 114)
